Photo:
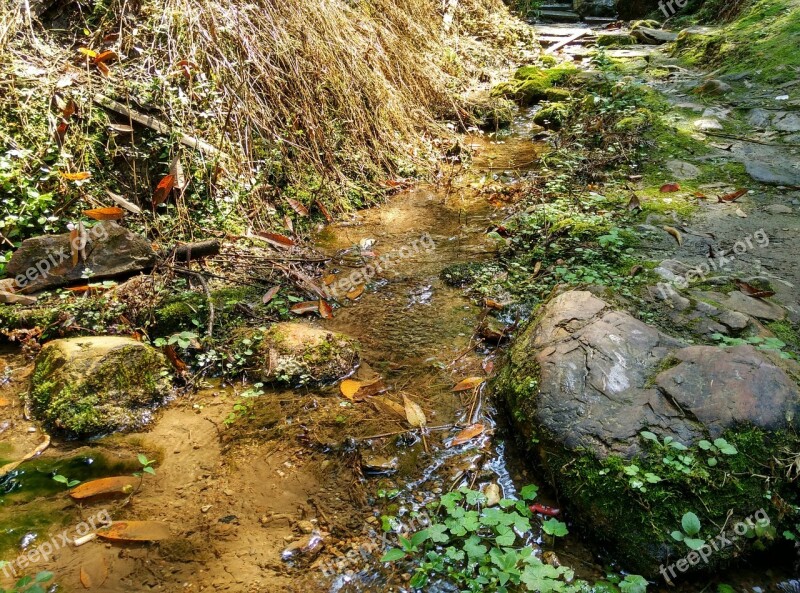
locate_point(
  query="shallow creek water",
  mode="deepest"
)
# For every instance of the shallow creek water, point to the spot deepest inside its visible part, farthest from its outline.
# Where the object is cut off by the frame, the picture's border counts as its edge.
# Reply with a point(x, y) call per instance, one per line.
point(235, 497)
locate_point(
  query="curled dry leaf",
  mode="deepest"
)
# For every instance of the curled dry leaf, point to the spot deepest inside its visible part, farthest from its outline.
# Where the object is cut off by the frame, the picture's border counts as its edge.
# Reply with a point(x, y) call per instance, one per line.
point(305, 307)
point(276, 239)
point(634, 203)
point(733, 196)
point(388, 406)
point(466, 435)
point(414, 414)
point(270, 294)
point(174, 359)
point(135, 531)
point(493, 304)
point(324, 211)
point(163, 190)
point(80, 176)
point(61, 131)
point(358, 391)
point(69, 109)
point(670, 187)
point(492, 494)
point(110, 213)
point(468, 383)
point(356, 292)
point(753, 291)
point(129, 206)
point(675, 233)
point(325, 310)
point(120, 128)
point(106, 56)
point(297, 207)
point(104, 487)
point(104, 70)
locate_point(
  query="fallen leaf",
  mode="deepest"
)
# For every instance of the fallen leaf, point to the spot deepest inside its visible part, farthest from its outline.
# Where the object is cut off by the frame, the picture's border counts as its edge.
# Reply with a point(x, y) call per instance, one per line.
point(386, 405)
point(329, 279)
point(634, 203)
point(297, 207)
point(69, 109)
point(172, 356)
point(270, 294)
point(493, 304)
point(135, 531)
point(356, 292)
point(305, 307)
point(120, 128)
point(106, 56)
point(466, 435)
point(468, 383)
point(360, 390)
point(176, 170)
point(752, 291)
point(544, 510)
point(163, 190)
point(61, 131)
point(81, 176)
point(670, 187)
point(733, 196)
point(325, 310)
point(287, 222)
point(492, 494)
point(4, 402)
point(536, 268)
point(104, 70)
point(741, 213)
point(414, 414)
point(276, 239)
point(110, 213)
point(675, 233)
point(89, 53)
point(104, 487)
point(324, 211)
point(16, 299)
point(488, 366)
point(700, 195)
point(94, 572)
point(129, 206)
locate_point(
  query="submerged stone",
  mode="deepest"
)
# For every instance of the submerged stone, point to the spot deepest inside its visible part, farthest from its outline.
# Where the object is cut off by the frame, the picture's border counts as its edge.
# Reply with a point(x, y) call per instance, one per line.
point(96, 385)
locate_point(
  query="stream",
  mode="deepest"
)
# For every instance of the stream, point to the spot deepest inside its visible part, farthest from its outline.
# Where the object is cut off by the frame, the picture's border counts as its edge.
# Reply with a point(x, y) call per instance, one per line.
point(309, 460)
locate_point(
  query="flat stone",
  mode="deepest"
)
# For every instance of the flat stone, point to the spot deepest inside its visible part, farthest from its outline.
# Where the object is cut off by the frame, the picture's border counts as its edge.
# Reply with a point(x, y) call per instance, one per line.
point(772, 174)
point(759, 118)
point(778, 209)
point(707, 123)
point(734, 320)
point(759, 308)
point(786, 121)
point(682, 170)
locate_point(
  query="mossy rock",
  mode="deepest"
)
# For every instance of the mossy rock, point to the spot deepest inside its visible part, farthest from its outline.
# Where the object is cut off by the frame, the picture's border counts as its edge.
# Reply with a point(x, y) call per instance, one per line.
point(607, 40)
point(97, 385)
point(300, 354)
point(531, 83)
point(552, 116)
point(583, 383)
point(488, 112)
point(645, 24)
point(641, 119)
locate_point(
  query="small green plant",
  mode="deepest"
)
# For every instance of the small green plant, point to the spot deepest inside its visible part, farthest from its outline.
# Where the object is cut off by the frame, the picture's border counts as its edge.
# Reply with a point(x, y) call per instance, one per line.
point(66, 481)
point(718, 447)
point(147, 466)
point(769, 344)
point(183, 339)
point(691, 527)
point(28, 584)
point(639, 478)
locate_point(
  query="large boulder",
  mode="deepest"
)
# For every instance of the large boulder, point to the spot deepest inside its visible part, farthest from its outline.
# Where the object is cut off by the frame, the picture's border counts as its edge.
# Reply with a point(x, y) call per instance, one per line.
point(97, 385)
point(595, 8)
point(110, 250)
point(585, 381)
point(298, 353)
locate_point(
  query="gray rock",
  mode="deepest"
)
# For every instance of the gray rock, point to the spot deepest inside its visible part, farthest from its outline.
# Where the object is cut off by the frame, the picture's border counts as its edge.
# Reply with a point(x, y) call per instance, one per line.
point(682, 170)
point(786, 121)
point(595, 8)
point(772, 174)
point(46, 262)
point(734, 320)
point(707, 123)
point(778, 209)
point(712, 87)
point(759, 118)
point(759, 308)
point(653, 36)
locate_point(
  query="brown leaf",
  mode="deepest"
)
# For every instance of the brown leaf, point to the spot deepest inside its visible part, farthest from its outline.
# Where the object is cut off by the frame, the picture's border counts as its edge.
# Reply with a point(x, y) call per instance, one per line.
point(493, 304)
point(305, 307)
point(468, 383)
point(358, 391)
point(81, 176)
point(733, 196)
point(297, 207)
point(61, 131)
point(488, 366)
point(104, 487)
point(387, 406)
point(172, 356)
point(135, 531)
point(325, 310)
point(700, 195)
point(94, 572)
point(329, 279)
point(176, 170)
point(104, 70)
point(675, 233)
point(110, 213)
point(466, 435)
point(163, 190)
point(276, 239)
point(670, 187)
point(287, 222)
point(752, 291)
point(270, 294)
point(634, 203)
point(414, 414)
point(69, 109)
point(324, 211)
point(356, 292)
point(537, 268)
point(106, 56)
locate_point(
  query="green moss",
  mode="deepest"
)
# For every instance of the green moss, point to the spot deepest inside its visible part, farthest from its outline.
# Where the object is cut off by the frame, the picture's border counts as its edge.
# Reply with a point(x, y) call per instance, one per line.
point(552, 116)
point(615, 40)
point(531, 83)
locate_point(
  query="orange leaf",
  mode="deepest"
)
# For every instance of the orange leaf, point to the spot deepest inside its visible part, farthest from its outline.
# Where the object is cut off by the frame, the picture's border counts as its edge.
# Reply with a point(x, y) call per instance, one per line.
point(324, 211)
point(356, 292)
point(305, 307)
point(104, 487)
point(163, 189)
point(670, 187)
point(752, 291)
point(270, 294)
point(104, 70)
point(106, 56)
point(297, 207)
point(360, 390)
point(329, 279)
point(110, 213)
point(466, 435)
point(61, 131)
point(172, 356)
point(81, 176)
point(733, 196)
point(69, 109)
point(135, 531)
point(493, 304)
point(94, 572)
point(325, 310)
point(469, 383)
point(276, 239)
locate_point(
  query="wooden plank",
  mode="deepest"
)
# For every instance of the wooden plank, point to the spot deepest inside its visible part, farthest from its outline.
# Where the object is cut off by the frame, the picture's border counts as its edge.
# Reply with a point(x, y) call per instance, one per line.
point(567, 41)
